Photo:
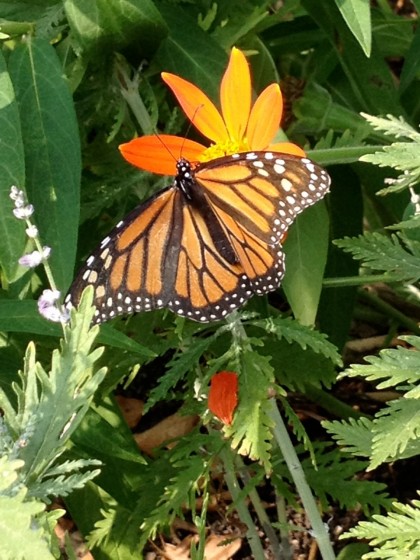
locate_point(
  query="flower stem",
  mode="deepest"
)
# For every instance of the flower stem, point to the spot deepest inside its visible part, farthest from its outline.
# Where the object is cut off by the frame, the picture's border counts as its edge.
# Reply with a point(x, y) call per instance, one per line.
point(346, 281)
point(260, 511)
point(283, 440)
point(234, 489)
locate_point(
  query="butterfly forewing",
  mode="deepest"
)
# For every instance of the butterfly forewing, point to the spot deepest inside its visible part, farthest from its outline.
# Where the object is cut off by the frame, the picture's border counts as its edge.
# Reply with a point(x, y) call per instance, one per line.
point(273, 189)
point(205, 245)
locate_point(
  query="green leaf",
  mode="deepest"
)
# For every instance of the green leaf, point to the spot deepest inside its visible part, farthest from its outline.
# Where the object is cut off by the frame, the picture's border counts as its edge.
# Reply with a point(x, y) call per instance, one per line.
point(353, 551)
point(52, 150)
point(384, 254)
point(24, 10)
point(178, 53)
point(395, 536)
point(334, 475)
point(178, 367)
point(369, 80)
point(411, 67)
point(12, 166)
point(394, 429)
point(22, 520)
point(335, 313)
point(18, 538)
point(306, 337)
point(403, 156)
point(251, 431)
point(306, 255)
point(356, 14)
point(354, 436)
point(23, 316)
point(392, 368)
point(103, 26)
point(51, 405)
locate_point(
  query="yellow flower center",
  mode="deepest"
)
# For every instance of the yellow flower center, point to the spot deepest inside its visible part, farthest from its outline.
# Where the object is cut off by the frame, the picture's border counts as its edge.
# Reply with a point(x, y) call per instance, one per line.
point(224, 149)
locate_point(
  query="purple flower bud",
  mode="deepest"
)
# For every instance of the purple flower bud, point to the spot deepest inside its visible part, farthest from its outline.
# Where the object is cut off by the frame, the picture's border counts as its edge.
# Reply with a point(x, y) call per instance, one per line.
point(31, 260)
point(48, 309)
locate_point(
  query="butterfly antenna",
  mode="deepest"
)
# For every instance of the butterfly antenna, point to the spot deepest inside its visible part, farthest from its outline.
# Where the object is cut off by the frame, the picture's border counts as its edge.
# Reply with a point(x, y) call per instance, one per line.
point(165, 146)
point(184, 139)
point(190, 124)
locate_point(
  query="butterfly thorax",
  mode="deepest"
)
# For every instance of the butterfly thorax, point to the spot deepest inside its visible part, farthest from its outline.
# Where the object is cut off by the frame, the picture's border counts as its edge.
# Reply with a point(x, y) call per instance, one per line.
point(184, 179)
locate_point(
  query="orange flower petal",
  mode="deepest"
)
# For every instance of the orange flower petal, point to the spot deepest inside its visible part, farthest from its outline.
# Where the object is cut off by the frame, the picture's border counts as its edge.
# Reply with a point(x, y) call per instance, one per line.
point(235, 95)
point(287, 148)
point(223, 395)
point(264, 120)
point(159, 154)
point(197, 106)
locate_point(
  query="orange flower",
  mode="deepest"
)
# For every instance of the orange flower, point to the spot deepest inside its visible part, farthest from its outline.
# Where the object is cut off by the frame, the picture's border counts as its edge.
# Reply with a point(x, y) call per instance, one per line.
point(240, 126)
point(223, 395)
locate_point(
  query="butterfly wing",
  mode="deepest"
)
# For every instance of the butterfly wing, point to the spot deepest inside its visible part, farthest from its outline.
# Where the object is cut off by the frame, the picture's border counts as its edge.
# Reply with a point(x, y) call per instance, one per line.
point(262, 191)
point(203, 256)
point(134, 267)
point(208, 283)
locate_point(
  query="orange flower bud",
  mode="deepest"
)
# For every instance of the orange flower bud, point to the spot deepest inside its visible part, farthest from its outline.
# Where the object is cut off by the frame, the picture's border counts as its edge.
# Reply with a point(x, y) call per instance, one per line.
point(223, 395)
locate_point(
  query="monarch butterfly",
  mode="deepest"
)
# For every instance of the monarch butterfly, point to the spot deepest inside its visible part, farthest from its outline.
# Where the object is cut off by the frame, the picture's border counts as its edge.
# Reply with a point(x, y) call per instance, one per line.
point(204, 245)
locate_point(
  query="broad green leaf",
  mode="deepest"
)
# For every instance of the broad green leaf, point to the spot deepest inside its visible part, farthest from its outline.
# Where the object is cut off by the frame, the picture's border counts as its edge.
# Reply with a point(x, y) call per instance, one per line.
point(179, 54)
point(369, 79)
point(12, 172)
point(22, 316)
point(336, 305)
point(24, 11)
point(52, 150)
point(102, 26)
point(356, 14)
point(353, 551)
point(306, 255)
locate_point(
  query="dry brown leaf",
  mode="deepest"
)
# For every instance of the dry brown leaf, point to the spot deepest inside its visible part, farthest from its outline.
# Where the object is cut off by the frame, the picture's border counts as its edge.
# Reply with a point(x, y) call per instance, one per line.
point(173, 426)
point(132, 409)
point(213, 549)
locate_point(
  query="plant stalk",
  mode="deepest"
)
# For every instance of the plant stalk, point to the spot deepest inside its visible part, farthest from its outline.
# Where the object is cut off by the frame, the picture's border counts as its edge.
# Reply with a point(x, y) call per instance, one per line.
point(283, 440)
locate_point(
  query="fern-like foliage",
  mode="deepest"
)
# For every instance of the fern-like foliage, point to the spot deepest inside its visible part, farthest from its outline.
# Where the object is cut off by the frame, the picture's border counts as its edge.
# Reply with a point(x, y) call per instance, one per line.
point(22, 518)
point(395, 536)
point(334, 477)
point(293, 331)
point(392, 368)
point(402, 156)
point(354, 436)
point(50, 405)
point(394, 432)
point(392, 255)
point(178, 367)
point(251, 431)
